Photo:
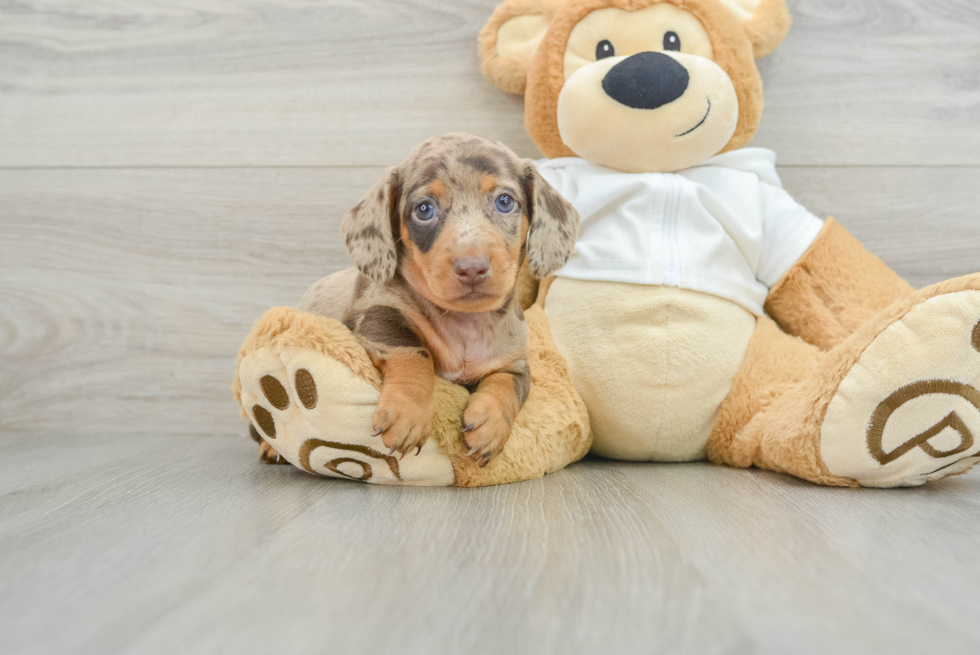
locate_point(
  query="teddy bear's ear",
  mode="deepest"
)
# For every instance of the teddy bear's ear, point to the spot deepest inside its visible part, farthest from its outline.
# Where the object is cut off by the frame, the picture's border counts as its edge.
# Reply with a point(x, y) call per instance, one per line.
point(766, 22)
point(510, 38)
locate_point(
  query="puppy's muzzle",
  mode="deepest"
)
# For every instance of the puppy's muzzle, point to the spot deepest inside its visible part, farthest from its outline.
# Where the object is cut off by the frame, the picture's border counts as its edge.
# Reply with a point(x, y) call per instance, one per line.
point(471, 270)
point(647, 80)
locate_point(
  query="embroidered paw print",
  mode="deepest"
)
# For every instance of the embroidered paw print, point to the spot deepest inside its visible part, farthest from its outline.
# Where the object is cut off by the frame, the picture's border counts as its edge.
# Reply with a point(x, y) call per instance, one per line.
point(909, 410)
point(314, 412)
point(275, 393)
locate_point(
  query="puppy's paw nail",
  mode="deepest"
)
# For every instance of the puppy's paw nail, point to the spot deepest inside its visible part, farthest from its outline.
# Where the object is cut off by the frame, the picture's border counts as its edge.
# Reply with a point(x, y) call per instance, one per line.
point(468, 429)
point(418, 451)
point(377, 433)
point(392, 451)
point(471, 453)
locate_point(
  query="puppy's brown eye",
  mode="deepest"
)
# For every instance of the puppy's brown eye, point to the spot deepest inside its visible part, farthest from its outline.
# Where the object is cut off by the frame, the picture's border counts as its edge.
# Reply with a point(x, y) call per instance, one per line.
point(604, 49)
point(672, 41)
point(425, 210)
point(504, 204)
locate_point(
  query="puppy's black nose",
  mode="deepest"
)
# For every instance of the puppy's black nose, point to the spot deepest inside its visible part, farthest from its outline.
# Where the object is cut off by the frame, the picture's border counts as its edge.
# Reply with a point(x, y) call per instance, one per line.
point(471, 269)
point(646, 80)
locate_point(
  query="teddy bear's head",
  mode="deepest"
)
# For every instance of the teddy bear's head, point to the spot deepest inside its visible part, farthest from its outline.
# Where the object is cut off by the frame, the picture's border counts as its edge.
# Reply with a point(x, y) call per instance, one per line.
point(635, 85)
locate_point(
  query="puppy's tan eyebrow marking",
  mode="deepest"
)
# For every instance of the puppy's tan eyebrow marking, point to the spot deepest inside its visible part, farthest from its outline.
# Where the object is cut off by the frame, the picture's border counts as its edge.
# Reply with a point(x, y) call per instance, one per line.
point(433, 167)
point(488, 183)
point(438, 190)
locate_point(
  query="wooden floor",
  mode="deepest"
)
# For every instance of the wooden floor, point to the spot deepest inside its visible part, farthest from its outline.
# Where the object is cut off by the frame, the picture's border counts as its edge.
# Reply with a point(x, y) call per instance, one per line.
point(163, 544)
point(170, 169)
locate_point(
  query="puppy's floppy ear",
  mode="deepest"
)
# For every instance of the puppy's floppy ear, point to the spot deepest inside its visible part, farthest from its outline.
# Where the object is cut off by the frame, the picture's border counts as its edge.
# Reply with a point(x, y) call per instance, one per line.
point(554, 225)
point(510, 39)
point(371, 229)
point(766, 22)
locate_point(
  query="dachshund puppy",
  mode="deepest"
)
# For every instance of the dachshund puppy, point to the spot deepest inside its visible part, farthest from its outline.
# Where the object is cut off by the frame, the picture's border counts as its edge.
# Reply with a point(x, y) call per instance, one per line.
point(438, 243)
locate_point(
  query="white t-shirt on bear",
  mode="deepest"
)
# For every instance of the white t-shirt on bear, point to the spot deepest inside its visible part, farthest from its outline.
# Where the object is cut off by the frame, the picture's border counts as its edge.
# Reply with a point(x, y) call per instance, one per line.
point(725, 227)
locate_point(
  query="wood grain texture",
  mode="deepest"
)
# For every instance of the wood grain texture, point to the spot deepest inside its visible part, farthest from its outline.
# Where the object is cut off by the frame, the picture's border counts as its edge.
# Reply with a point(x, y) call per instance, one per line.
point(169, 169)
point(924, 223)
point(189, 545)
point(360, 82)
point(124, 294)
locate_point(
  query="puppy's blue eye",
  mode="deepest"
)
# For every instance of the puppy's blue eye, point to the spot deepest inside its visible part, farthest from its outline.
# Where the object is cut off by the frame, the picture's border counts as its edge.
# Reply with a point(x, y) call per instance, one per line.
point(425, 211)
point(504, 204)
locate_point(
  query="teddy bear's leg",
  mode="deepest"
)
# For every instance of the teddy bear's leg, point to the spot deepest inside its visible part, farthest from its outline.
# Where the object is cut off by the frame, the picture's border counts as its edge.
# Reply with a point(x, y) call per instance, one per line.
point(895, 404)
point(330, 296)
point(309, 390)
point(775, 363)
point(834, 289)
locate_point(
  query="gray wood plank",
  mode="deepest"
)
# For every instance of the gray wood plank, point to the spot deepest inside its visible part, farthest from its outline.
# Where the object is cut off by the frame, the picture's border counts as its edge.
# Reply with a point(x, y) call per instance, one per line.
point(875, 82)
point(127, 526)
point(124, 294)
point(359, 82)
point(163, 544)
point(924, 223)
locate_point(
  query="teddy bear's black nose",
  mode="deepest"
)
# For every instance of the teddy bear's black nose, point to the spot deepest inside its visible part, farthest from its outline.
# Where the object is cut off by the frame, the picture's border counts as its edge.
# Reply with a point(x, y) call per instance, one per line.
point(646, 80)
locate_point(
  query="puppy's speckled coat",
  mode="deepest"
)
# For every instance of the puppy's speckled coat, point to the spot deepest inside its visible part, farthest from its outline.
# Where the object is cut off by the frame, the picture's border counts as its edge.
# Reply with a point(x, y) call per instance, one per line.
point(439, 242)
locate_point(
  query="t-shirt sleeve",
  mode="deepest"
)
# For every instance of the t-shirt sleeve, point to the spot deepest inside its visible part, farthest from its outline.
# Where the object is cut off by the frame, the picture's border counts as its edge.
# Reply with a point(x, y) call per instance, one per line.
point(788, 229)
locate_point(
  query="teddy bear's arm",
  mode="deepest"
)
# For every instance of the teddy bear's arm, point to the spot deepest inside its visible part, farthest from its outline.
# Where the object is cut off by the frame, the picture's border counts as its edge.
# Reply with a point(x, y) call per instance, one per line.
point(833, 289)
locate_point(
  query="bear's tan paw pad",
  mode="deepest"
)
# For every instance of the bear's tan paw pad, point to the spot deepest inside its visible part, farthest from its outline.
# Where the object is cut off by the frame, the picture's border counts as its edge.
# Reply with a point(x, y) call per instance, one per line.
point(909, 410)
point(315, 413)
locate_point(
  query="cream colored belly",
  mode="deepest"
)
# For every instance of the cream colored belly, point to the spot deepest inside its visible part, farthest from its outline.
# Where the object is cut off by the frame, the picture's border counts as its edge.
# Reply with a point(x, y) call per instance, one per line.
point(653, 364)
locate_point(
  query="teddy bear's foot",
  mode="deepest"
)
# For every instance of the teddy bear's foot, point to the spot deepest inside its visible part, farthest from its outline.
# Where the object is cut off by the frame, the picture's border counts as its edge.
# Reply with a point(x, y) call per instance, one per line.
point(309, 389)
point(313, 410)
point(908, 410)
point(897, 404)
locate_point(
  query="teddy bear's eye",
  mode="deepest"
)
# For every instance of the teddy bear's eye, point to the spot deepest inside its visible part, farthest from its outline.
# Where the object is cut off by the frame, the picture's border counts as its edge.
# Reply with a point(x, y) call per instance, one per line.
point(672, 41)
point(604, 49)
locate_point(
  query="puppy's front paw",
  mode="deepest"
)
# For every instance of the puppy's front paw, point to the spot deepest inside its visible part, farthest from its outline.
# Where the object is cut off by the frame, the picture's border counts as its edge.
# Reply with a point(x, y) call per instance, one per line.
point(269, 455)
point(403, 422)
point(487, 423)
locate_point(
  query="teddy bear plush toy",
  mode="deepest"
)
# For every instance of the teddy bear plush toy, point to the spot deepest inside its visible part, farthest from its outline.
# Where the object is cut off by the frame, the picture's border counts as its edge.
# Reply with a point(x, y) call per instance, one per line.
point(704, 313)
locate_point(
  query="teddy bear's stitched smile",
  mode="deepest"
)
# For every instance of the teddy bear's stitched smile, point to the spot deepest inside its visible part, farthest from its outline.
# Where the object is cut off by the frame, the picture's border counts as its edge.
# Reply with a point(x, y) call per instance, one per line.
point(700, 123)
